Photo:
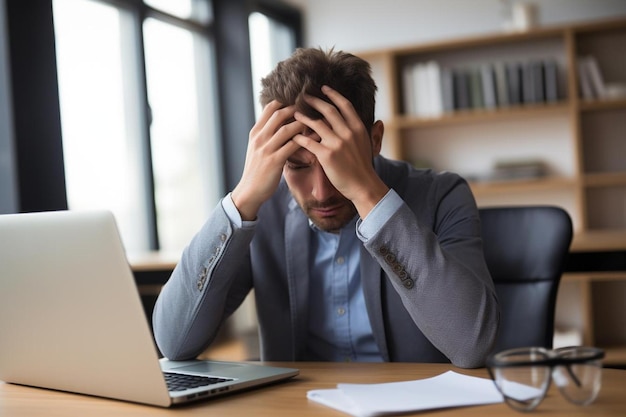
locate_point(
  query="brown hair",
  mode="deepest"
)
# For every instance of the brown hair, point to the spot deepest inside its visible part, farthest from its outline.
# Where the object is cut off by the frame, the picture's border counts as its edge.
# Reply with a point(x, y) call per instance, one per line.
point(308, 69)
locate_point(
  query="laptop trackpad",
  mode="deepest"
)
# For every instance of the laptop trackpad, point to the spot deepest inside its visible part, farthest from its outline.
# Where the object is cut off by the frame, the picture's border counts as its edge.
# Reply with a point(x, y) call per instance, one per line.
point(207, 367)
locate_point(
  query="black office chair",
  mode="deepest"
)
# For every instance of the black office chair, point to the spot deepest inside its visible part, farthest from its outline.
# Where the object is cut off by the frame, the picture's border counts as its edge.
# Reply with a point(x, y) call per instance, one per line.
point(526, 248)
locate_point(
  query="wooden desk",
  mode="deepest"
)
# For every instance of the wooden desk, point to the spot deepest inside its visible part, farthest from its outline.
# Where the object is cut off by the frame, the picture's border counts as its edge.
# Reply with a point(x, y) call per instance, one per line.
point(289, 398)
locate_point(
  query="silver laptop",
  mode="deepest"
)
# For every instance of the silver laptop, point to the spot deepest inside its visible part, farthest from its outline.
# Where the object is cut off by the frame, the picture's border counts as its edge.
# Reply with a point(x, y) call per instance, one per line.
point(71, 318)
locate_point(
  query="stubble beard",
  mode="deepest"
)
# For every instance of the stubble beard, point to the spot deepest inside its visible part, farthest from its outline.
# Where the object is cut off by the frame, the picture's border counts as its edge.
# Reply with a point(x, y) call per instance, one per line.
point(345, 212)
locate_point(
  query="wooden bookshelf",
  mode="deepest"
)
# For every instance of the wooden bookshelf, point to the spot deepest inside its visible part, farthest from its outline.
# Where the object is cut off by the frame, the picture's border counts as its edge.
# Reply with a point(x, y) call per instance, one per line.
point(581, 140)
point(479, 116)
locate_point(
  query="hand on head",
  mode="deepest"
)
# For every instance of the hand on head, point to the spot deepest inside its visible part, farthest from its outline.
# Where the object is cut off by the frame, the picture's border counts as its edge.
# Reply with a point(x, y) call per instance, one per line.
point(269, 146)
point(344, 148)
point(339, 143)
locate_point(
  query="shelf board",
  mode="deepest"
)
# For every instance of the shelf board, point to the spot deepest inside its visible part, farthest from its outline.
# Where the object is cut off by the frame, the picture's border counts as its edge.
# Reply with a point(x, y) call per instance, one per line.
point(521, 185)
point(604, 179)
point(594, 276)
point(607, 104)
point(476, 41)
point(599, 241)
point(481, 115)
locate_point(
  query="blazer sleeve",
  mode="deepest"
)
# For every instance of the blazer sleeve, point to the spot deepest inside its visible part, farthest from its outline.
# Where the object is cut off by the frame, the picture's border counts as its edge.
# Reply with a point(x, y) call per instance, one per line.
point(431, 250)
point(211, 280)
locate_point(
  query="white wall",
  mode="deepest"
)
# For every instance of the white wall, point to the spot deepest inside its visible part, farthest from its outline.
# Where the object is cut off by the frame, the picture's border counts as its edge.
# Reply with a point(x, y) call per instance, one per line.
point(357, 25)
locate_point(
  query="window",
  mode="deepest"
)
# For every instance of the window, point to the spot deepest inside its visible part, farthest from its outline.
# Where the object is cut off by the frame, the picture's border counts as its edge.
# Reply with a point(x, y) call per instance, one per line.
point(271, 41)
point(138, 92)
point(142, 144)
point(185, 163)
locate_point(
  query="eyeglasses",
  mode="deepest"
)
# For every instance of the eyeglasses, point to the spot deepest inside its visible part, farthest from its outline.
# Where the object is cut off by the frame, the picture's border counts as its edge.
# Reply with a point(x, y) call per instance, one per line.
point(523, 375)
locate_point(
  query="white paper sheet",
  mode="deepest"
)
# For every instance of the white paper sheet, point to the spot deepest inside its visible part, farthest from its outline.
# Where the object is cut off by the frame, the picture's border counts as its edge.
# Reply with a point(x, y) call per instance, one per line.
point(449, 389)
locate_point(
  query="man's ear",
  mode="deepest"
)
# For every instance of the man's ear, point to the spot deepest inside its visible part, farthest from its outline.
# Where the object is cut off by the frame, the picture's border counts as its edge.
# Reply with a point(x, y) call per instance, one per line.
point(378, 129)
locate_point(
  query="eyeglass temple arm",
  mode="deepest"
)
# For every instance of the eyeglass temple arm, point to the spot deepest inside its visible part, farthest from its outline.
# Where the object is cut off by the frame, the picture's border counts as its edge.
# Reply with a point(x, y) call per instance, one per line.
point(572, 374)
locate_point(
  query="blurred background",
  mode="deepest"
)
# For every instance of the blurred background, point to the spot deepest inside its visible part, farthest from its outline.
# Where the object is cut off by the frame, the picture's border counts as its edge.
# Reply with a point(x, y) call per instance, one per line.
point(144, 107)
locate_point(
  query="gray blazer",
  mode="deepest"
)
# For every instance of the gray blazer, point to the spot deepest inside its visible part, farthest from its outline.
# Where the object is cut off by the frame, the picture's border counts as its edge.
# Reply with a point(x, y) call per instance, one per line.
point(428, 292)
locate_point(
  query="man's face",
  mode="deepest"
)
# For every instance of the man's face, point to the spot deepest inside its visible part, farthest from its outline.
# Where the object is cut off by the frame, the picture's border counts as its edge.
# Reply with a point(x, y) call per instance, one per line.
point(328, 209)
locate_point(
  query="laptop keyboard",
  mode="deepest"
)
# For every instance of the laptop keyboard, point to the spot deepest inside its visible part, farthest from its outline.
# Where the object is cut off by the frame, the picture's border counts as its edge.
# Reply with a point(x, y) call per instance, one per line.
point(181, 382)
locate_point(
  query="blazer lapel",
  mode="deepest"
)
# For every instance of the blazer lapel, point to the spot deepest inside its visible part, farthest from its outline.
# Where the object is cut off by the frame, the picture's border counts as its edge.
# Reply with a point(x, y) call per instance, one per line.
point(297, 237)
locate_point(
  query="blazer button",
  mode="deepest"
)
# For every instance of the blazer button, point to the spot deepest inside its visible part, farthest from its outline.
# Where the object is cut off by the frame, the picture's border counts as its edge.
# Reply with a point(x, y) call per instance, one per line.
point(383, 250)
point(390, 258)
point(408, 283)
point(202, 279)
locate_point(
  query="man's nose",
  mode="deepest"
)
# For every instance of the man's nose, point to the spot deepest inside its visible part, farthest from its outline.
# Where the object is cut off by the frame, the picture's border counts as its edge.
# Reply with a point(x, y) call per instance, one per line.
point(322, 189)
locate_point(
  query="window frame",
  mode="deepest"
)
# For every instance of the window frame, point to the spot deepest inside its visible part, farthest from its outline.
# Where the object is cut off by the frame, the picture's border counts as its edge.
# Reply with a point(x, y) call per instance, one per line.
point(37, 135)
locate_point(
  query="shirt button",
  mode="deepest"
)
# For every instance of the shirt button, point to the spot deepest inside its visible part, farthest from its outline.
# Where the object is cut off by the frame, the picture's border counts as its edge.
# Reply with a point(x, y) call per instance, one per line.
point(341, 311)
point(340, 260)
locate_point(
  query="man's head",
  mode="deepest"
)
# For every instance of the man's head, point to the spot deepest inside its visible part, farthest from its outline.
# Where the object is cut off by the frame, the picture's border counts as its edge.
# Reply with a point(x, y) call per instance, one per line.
point(304, 73)
point(308, 69)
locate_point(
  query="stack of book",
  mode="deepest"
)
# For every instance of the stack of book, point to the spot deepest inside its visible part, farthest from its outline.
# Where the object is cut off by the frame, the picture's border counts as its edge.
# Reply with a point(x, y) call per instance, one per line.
point(431, 90)
point(592, 84)
point(520, 169)
point(590, 78)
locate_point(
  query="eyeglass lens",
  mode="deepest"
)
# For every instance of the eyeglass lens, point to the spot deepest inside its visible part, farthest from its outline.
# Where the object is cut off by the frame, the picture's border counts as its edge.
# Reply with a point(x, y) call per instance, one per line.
point(578, 382)
point(523, 387)
point(524, 384)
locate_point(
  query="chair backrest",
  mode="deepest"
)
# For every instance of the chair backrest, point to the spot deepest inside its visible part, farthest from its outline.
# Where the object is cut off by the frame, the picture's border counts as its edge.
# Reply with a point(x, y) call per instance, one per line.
point(525, 249)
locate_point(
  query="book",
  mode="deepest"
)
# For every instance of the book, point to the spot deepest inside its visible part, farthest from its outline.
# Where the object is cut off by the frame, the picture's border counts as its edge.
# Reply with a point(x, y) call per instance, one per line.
point(461, 89)
point(488, 83)
point(551, 80)
point(447, 89)
point(538, 81)
point(502, 92)
point(518, 169)
point(584, 80)
point(597, 81)
point(408, 89)
point(528, 83)
point(476, 89)
point(420, 85)
point(513, 78)
point(433, 89)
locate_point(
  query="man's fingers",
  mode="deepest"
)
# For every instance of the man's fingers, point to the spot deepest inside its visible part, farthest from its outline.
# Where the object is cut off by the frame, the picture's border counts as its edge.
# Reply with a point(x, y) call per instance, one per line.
point(341, 114)
point(331, 114)
point(266, 114)
point(319, 126)
point(344, 105)
point(309, 144)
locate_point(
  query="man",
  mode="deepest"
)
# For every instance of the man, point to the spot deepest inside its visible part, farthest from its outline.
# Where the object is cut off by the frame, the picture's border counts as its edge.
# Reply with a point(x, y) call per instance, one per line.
point(352, 256)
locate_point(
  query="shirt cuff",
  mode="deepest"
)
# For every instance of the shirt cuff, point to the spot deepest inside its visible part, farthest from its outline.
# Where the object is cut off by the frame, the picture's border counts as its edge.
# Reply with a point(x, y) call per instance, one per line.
point(233, 214)
point(380, 214)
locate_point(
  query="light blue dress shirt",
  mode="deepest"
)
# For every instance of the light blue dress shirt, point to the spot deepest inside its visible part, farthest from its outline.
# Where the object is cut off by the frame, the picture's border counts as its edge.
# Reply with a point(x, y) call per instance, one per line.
point(339, 327)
